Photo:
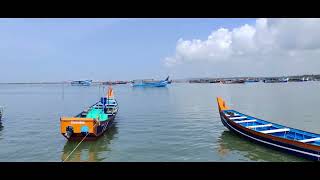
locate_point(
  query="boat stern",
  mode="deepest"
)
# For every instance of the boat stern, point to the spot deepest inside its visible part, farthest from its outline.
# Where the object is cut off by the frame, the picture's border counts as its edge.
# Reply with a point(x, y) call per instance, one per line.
point(72, 127)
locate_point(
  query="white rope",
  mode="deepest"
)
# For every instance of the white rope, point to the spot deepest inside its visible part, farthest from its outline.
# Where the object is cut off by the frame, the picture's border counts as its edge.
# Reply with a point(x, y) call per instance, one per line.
point(75, 148)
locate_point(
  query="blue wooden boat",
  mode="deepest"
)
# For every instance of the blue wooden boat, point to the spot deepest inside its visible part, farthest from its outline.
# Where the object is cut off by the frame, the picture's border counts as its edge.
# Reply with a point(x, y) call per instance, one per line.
point(295, 141)
point(150, 83)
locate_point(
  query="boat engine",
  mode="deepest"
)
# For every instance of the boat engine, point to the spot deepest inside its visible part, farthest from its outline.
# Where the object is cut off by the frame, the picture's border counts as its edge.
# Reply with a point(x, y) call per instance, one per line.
point(69, 131)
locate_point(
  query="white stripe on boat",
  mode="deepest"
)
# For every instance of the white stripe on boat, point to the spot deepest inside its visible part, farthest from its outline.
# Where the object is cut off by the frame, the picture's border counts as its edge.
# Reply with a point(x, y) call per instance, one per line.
point(275, 130)
point(310, 140)
point(235, 114)
point(258, 126)
point(245, 121)
point(283, 147)
point(241, 117)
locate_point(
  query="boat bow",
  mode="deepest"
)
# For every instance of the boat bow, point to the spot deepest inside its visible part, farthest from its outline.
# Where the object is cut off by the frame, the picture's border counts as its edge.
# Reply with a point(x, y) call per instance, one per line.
point(222, 104)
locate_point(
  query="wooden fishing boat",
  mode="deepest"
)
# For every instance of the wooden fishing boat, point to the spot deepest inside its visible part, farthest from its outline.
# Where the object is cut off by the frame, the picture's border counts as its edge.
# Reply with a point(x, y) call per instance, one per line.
point(295, 141)
point(150, 83)
point(92, 122)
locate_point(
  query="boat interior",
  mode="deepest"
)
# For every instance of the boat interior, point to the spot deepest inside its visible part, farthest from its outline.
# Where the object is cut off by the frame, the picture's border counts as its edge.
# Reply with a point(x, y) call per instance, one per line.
point(273, 129)
point(111, 108)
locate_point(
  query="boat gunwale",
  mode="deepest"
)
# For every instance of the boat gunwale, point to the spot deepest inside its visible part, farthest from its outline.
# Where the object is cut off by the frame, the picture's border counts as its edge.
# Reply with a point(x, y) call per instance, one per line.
point(78, 115)
point(291, 129)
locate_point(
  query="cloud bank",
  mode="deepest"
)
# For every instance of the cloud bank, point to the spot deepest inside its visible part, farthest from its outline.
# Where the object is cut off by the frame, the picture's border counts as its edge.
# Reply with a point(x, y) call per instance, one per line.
point(275, 46)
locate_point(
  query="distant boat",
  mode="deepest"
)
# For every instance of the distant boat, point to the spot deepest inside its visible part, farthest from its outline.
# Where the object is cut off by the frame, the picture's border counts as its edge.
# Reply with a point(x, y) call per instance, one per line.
point(251, 80)
point(233, 81)
point(299, 79)
point(93, 122)
point(114, 82)
point(81, 83)
point(295, 141)
point(150, 83)
point(215, 81)
point(276, 80)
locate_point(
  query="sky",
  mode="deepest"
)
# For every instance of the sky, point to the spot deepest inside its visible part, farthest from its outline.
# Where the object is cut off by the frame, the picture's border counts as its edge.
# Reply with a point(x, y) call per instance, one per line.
point(47, 50)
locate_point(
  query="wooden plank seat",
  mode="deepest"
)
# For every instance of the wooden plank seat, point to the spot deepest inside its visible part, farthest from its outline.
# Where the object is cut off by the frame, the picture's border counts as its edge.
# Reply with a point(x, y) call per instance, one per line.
point(245, 121)
point(235, 114)
point(241, 117)
point(275, 130)
point(258, 126)
point(310, 140)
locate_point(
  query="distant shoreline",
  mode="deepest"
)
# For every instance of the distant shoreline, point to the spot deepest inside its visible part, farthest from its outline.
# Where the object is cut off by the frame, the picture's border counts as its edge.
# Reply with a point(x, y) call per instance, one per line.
point(312, 76)
point(39, 83)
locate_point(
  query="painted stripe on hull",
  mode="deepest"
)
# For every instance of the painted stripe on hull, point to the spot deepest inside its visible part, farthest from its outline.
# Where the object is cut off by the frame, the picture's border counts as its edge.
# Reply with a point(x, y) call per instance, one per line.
point(303, 153)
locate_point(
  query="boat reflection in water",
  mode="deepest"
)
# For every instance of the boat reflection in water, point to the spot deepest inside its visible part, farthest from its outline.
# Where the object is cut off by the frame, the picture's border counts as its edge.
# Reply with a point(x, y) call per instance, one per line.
point(88, 151)
point(1, 113)
point(1, 127)
point(229, 143)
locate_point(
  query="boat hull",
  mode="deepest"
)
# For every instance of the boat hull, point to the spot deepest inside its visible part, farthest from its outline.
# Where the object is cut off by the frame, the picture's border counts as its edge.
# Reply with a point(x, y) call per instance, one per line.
point(162, 84)
point(100, 130)
point(275, 143)
point(151, 83)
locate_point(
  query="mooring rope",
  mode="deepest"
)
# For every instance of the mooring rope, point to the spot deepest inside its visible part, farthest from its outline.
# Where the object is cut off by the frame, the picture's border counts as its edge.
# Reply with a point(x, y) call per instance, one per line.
point(75, 148)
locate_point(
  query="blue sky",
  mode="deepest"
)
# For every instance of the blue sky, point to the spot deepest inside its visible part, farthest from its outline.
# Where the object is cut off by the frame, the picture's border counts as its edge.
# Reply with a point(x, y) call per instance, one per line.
point(33, 50)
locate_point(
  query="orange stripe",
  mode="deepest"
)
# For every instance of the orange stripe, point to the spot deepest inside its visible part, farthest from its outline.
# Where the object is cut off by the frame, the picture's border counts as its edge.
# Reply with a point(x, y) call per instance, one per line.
point(75, 119)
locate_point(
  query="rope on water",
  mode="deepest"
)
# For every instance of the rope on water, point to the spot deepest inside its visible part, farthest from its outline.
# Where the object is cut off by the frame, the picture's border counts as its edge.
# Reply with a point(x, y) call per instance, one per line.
point(75, 148)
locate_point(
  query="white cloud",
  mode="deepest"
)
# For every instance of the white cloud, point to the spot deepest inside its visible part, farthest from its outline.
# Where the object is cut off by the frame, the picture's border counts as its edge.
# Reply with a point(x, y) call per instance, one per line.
point(264, 44)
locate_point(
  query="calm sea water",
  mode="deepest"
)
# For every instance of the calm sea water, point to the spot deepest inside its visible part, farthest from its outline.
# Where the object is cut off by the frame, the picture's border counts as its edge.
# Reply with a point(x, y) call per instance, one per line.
point(177, 123)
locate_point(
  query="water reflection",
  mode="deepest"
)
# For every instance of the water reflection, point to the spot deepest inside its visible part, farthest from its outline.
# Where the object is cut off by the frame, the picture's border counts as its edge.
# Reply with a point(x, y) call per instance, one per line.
point(1, 127)
point(149, 88)
point(230, 144)
point(88, 151)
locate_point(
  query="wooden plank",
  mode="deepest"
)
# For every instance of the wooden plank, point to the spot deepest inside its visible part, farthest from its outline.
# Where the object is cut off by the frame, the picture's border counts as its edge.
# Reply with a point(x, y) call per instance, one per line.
point(310, 140)
point(235, 114)
point(258, 126)
point(275, 130)
point(241, 117)
point(245, 121)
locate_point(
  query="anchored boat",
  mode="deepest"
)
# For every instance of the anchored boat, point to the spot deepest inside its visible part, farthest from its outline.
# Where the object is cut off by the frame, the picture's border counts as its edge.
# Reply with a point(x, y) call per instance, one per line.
point(295, 141)
point(92, 122)
point(150, 83)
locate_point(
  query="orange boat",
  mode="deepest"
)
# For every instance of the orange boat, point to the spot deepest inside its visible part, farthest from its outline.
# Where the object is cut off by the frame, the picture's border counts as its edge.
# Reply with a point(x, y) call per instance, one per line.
point(92, 122)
